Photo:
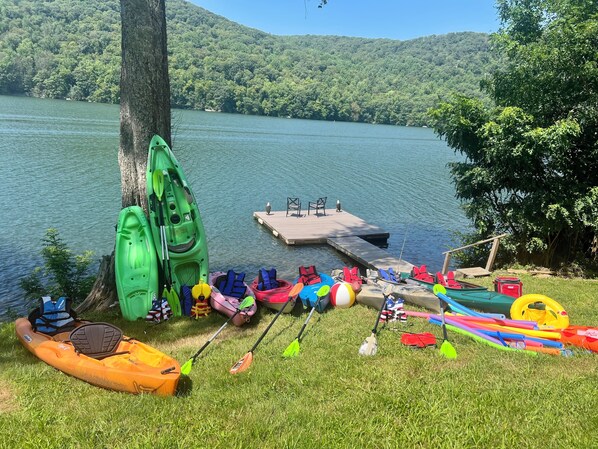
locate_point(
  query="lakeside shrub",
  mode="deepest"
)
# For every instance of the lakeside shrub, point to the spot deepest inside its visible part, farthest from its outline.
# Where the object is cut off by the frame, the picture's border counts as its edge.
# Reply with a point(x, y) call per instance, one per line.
point(63, 273)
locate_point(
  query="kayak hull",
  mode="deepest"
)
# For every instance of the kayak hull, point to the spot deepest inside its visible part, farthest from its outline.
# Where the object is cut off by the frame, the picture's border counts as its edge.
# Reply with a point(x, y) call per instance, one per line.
point(308, 295)
point(138, 368)
point(135, 264)
point(275, 298)
point(475, 297)
point(227, 305)
point(185, 234)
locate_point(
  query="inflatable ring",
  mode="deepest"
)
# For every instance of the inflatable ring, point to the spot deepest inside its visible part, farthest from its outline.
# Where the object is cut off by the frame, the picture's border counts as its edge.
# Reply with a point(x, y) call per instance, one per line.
point(539, 308)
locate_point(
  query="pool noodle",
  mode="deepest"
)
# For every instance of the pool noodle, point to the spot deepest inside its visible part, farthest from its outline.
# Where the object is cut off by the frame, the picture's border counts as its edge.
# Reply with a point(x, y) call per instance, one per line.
point(483, 340)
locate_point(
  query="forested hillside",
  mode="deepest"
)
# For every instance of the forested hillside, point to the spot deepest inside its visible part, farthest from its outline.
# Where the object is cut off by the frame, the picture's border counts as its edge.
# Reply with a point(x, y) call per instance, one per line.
point(71, 49)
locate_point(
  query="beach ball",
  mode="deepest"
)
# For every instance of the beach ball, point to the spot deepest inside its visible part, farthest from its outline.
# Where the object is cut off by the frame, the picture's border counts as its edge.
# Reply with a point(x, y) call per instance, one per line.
point(342, 295)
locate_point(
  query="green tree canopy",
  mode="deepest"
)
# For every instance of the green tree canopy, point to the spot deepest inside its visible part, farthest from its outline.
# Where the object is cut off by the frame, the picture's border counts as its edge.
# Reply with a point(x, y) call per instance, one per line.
point(531, 161)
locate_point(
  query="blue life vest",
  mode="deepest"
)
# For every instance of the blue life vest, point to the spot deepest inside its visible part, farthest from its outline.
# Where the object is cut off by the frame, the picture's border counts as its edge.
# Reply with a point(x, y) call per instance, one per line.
point(54, 315)
point(232, 284)
point(267, 279)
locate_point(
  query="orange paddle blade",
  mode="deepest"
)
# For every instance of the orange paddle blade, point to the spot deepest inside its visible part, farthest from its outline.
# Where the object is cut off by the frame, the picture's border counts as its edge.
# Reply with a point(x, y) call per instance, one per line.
point(296, 289)
point(242, 364)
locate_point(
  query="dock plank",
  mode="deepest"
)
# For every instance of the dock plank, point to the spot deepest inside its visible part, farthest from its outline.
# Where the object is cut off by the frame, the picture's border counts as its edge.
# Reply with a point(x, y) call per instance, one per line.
point(318, 228)
point(367, 254)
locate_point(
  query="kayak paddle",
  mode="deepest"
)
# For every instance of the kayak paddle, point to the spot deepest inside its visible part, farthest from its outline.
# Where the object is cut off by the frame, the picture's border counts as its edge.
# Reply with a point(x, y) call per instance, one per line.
point(446, 349)
point(169, 293)
point(245, 361)
point(247, 302)
point(293, 349)
point(370, 344)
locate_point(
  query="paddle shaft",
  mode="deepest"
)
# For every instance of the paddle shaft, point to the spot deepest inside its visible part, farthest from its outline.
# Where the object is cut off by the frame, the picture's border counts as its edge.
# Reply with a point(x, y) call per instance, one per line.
point(259, 340)
point(444, 333)
point(311, 312)
point(163, 240)
point(205, 345)
point(374, 330)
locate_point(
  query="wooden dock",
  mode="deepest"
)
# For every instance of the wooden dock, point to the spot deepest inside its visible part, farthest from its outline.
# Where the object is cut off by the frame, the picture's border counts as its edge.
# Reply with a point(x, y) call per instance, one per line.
point(343, 231)
point(318, 228)
point(368, 255)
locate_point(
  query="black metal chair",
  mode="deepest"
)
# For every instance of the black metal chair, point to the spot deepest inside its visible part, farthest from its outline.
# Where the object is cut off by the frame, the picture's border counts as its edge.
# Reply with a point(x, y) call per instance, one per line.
point(320, 203)
point(293, 204)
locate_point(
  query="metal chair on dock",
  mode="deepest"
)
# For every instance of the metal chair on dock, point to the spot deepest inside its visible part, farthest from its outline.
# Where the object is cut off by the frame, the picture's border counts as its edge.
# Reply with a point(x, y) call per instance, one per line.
point(320, 203)
point(293, 204)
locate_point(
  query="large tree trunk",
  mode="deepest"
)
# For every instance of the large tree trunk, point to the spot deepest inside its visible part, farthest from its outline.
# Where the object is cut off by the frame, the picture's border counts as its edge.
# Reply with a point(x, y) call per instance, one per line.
point(144, 111)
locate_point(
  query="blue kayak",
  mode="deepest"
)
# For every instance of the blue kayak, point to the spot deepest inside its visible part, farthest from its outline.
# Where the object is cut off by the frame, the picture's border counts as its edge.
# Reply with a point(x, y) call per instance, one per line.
point(308, 293)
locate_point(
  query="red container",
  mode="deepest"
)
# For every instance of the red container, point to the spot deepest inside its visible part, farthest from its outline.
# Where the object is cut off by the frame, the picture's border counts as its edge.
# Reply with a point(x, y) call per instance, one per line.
point(508, 286)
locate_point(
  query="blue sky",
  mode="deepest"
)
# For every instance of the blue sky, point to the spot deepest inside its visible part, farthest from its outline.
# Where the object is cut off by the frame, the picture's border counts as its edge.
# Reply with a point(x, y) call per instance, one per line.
point(393, 19)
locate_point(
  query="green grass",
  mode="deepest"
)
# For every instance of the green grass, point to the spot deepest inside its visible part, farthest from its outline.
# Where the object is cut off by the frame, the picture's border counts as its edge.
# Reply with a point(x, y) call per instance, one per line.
point(327, 397)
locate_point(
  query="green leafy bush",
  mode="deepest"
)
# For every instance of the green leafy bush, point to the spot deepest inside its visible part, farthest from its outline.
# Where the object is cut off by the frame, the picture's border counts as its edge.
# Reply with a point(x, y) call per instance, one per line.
point(63, 273)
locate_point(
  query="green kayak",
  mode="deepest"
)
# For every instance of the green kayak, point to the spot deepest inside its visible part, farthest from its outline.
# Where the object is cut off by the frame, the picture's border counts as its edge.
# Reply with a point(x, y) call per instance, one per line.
point(172, 204)
point(135, 264)
point(470, 295)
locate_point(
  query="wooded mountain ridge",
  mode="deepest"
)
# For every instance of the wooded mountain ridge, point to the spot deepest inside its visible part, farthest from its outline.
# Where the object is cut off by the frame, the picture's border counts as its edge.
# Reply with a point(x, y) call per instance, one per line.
point(71, 49)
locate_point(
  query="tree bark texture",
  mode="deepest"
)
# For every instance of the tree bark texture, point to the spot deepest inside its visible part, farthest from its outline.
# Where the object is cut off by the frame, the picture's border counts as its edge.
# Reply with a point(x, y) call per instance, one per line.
point(103, 293)
point(144, 92)
point(144, 111)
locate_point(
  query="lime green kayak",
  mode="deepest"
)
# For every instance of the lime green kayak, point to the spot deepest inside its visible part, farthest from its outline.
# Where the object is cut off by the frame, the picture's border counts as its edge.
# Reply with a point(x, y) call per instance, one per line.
point(135, 264)
point(172, 204)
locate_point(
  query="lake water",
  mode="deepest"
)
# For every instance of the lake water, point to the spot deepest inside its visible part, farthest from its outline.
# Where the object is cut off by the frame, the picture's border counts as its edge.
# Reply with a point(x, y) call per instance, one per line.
point(61, 170)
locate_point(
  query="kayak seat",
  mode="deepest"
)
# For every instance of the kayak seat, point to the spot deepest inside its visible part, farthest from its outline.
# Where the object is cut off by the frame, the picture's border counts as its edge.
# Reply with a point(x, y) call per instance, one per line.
point(96, 340)
point(451, 282)
point(309, 275)
point(182, 248)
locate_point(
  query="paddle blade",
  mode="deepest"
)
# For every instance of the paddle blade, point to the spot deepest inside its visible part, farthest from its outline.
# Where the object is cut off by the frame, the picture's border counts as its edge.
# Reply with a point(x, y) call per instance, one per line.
point(173, 300)
point(448, 350)
point(296, 289)
point(247, 302)
point(186, 367)
point(292, 349)
point(243, 363)
point(369, 346)
point(439, 288)
point(158, 183)
point(323, 291)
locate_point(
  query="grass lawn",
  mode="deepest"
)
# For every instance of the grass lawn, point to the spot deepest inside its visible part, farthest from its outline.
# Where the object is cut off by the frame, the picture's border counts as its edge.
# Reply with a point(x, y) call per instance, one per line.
point(327, 397)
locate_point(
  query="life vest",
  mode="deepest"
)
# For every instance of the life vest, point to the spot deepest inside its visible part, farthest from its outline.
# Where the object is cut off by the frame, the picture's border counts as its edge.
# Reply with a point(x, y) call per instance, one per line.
point(267, 279)
point(186, 300)
point(388, 275)
point(232, 284)
point(309, 275)
point(352, 275)
point(53, 317)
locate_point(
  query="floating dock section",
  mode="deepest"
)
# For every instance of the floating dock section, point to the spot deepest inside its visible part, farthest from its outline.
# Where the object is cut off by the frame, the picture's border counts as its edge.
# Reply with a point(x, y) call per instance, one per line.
point(343, 231)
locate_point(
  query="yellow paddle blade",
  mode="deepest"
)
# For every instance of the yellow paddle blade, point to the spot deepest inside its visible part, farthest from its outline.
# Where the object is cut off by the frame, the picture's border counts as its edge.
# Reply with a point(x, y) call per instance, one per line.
point(292, 349)
point(438, 288)
point(243, 364)
point(158, 183)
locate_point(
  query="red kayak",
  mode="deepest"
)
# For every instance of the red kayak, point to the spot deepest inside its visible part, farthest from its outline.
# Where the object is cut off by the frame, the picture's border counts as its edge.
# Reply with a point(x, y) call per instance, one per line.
point(274, 298)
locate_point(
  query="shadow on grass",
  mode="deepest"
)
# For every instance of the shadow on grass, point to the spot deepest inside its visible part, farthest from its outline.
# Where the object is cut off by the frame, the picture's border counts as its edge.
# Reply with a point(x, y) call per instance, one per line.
point(184, 387)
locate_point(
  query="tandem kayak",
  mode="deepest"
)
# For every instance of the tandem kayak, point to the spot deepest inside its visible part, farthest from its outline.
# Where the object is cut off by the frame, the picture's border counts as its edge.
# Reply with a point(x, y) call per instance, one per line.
point(130, 366)
point(135, 264)
point(172, 204)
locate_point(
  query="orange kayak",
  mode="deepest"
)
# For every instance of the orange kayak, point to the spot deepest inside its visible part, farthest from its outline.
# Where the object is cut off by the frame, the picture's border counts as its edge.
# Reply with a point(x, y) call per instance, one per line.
point(133, 367)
